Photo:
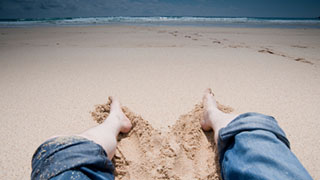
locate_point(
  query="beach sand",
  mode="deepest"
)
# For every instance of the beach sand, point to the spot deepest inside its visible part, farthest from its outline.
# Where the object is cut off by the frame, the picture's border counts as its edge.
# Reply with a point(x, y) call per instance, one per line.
point(51, 78)
point(185, 152)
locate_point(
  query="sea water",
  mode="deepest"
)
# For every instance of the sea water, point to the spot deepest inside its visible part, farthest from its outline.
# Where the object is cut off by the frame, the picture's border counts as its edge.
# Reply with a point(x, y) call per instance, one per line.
point(169, 21)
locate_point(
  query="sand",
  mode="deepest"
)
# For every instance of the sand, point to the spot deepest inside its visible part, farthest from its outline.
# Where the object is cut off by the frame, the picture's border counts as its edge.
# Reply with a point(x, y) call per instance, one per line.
point(51, 78)
point(185, 152)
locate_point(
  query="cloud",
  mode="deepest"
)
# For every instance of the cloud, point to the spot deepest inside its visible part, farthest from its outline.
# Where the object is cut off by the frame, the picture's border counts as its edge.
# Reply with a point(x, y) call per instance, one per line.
point(45, 8)
point(84, 8)
point(50, 5)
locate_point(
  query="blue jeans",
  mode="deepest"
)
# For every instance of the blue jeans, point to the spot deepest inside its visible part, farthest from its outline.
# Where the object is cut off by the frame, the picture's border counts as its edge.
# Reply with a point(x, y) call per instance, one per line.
point(71, 157)
point(253, 146)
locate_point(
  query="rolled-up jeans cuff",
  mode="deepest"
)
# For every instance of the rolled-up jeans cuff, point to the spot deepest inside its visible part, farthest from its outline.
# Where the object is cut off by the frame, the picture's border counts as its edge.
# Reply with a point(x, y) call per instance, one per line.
point(249, 122)
point(62, 154)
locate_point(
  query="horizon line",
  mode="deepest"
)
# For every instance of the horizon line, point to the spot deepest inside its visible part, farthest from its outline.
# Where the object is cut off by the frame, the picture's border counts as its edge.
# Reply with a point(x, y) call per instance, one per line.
point(73, 17)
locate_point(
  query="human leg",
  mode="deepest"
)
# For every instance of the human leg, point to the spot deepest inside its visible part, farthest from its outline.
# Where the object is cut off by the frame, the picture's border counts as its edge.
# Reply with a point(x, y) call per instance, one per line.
point(213, 118)
point(251, 146)
point(83, 156)
point(106, 133)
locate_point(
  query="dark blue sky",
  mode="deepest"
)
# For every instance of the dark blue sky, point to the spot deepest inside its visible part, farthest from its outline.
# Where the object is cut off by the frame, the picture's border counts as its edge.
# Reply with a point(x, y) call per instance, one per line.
point(85, 8)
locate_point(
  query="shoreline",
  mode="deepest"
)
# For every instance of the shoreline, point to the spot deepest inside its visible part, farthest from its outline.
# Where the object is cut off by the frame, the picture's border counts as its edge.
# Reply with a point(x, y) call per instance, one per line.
point(174, 21)
point(165, 25)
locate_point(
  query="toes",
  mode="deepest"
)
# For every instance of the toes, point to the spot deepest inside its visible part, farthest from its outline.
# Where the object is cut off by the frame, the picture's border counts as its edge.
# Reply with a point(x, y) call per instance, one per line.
point(204, 100)
point(115, 104)
point(208, 97)
point(211, 99)
point(208, 91)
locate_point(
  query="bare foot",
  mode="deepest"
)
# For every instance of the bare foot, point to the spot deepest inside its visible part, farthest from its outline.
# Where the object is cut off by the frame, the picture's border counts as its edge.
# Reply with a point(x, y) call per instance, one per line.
point(208, 104)
point(117, 114)
point(106, 133)
point(213, 118)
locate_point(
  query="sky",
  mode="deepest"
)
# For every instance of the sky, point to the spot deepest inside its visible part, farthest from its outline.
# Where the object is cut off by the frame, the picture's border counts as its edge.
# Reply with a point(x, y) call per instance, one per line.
point(92, 8)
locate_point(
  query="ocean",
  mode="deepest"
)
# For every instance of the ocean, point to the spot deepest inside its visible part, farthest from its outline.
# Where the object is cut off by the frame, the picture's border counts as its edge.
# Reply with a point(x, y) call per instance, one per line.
point(252, 22)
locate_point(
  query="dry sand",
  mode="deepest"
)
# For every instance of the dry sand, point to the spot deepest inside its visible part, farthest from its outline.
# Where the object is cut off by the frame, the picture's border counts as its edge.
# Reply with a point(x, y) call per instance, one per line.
point(51, 77)
point(185, 152)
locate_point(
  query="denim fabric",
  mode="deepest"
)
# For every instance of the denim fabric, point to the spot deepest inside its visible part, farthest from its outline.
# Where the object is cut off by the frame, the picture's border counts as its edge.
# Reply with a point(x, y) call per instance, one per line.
point(71, 158)
point(253, 146)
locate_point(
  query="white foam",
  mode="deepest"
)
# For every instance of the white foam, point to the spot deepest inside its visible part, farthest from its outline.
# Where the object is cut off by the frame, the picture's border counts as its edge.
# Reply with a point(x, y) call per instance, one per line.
point(164, 20)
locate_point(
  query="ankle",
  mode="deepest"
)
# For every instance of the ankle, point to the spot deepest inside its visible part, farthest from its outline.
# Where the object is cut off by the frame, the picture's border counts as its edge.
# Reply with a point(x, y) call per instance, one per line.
point(112, 124)
point(220, 119)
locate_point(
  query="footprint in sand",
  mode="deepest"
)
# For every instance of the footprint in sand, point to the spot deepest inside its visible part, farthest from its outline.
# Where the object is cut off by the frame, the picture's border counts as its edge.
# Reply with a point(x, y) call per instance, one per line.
point(216, 42)
point(197, 34)
point(303, 60)
point(174, 33)
point(190, 37)
point(266, 51)
point(185, 152)
point(299, 46)
point(269, 51)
